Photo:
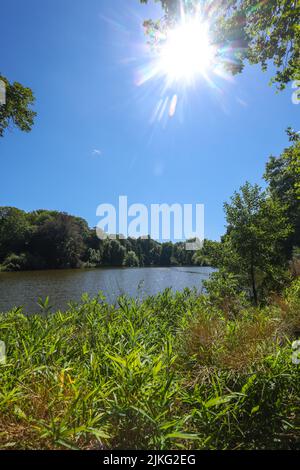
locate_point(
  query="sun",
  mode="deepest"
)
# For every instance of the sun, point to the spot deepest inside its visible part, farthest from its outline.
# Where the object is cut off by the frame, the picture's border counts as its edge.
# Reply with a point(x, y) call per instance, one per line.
point(186, 52)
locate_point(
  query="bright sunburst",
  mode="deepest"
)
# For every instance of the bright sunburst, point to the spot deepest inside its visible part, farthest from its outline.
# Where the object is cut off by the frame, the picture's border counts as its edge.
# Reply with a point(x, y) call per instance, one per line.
point(180, 55)
point(186, 52)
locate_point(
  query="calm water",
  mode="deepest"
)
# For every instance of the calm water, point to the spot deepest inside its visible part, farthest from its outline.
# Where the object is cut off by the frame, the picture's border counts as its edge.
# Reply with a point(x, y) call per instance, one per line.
point(25, 288)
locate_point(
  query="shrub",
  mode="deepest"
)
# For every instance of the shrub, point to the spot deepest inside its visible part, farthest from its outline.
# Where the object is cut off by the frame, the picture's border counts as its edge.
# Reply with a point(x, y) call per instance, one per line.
point(131, 260)
point(15, 262)
point(172, 371)
point(224, 292)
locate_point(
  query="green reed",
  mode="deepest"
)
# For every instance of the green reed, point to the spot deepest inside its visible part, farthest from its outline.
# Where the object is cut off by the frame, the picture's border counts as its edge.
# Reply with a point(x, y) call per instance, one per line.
point(168, 372)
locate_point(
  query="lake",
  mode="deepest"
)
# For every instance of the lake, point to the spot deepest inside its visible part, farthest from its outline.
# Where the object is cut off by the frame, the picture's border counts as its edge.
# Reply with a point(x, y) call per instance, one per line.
point(24, 288)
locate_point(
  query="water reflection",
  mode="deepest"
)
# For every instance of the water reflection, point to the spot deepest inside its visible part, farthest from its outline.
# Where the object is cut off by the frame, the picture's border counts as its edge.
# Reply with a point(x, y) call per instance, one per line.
point(25, 288)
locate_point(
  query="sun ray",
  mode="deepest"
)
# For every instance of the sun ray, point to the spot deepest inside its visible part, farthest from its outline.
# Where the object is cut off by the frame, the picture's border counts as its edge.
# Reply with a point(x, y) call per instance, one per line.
point(186, 52)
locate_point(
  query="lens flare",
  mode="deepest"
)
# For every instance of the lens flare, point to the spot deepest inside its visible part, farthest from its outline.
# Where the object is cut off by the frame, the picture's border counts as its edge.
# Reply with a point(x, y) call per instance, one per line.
point(183, 55)
point(186, 52)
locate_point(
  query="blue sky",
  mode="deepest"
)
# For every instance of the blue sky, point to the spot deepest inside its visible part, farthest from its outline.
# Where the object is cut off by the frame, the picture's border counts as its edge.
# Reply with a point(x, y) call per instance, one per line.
point(82, 59)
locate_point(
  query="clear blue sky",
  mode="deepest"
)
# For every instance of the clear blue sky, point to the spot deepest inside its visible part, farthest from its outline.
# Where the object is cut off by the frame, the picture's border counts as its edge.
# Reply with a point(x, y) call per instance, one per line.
point(81, 58)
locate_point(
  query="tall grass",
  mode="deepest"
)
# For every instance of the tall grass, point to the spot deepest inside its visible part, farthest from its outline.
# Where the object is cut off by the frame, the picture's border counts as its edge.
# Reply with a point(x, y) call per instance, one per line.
point(169, 372)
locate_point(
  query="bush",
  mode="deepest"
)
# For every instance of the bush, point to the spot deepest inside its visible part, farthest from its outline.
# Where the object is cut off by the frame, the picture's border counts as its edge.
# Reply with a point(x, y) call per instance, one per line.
point(131, 260)
point(15, 262)
point(225, 292)
point(169, 372)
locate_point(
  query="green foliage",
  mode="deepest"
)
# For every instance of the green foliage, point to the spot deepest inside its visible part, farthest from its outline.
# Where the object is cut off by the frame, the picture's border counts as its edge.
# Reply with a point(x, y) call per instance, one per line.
point(44, 305)
point(94, 258)
point(113, 252)
point(262, 235)
point(17, 109)
point(283, 175)
point(272, 33)
point(253, 31)
point(59, 241)
point(131, 260)
point(226, 292)
point(45, 239)
point(166, 254)
point(256, 226)
point(170, 372)
point(209, 255)
point(14, 231)
point(15, 262)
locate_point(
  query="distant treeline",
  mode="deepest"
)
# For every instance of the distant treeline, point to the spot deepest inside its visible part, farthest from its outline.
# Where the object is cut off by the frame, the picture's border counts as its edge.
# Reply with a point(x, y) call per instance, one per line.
point(46, 239)
point(258, 253)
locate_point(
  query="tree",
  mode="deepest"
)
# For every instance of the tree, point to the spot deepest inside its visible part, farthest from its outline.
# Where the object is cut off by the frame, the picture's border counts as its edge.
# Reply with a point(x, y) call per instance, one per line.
point(272, 32)
point(58, 241)
point(113, 253)
point(283, 175)
point(131, 260)
point(154, 254)
point(16, 111)
point(94, 257)
point(256, 227)
point(209, 255)
point(148, 250)
point(14, 231)
point(166, 254)
point(249, 30)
